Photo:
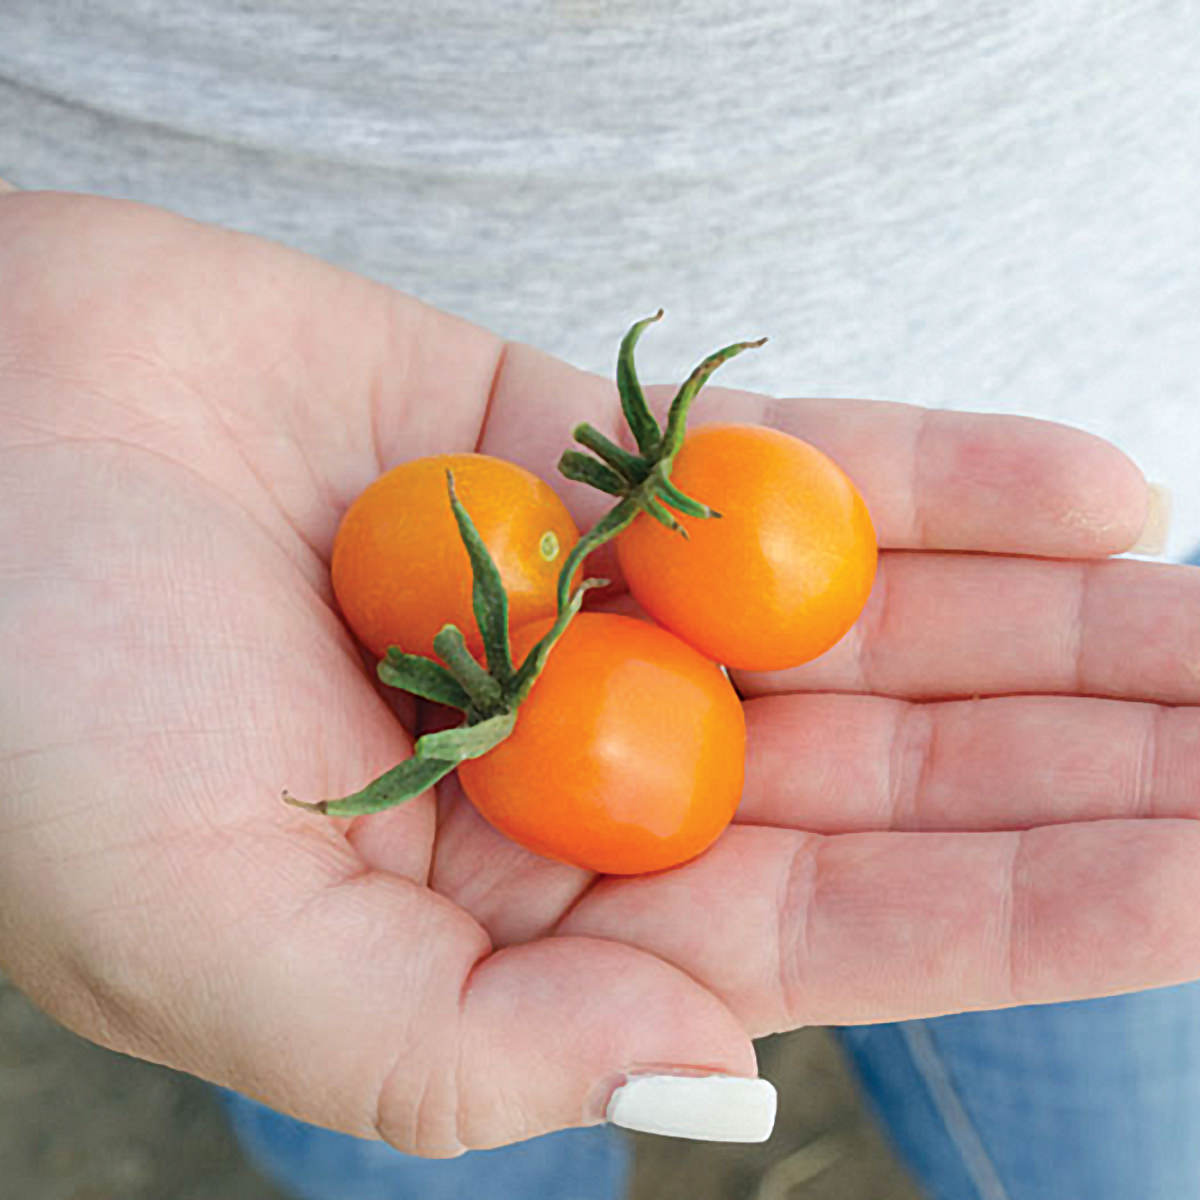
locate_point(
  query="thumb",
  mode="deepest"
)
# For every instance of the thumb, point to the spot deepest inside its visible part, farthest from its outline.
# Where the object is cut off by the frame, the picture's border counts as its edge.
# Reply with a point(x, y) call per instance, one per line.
point(564, 1031)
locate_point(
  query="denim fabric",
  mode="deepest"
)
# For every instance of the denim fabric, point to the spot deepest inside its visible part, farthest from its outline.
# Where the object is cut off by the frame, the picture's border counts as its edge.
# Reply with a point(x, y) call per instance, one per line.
point(310, 1163)
point(1098, 1099)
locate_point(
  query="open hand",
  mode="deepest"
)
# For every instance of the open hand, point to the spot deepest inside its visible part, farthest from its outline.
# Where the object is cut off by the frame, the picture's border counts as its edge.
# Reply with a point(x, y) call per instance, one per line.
point(985, 795)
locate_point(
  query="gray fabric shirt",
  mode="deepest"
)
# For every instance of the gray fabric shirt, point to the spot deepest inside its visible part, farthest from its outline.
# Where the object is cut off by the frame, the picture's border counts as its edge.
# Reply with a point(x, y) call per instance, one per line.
point(977, 205)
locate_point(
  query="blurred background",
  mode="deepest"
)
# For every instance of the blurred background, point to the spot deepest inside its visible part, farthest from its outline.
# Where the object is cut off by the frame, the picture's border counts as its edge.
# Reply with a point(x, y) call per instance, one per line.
point(81, 1123)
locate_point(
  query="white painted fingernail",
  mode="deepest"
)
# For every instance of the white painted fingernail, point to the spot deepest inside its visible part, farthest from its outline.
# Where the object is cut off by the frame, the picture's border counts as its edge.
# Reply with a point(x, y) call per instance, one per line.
point(707, 1108)
point(1153, 538)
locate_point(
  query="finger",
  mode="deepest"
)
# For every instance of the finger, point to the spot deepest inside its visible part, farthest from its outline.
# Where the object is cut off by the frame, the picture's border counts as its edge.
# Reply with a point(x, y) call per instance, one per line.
point(831, 764)
point(940, 625)
point(801, 929)
point(941, 480)
point(932, 479)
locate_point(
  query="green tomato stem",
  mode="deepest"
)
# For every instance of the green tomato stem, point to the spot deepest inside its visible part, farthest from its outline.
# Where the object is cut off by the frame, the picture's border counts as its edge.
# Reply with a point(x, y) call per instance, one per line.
point(607, 528)
point(471, 740)
point(485, 692)
point(677, 417)
point(488, 597)
point(535, 660)
point(631, 467)
point(633, 401)
point(584, 469)
point(642, 481)
point(422, 677)
point(403, 782)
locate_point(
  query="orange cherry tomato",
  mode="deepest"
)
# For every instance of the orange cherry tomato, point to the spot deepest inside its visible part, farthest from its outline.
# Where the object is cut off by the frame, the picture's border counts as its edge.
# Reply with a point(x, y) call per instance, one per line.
point(401, 572)
point(628, 753)
point(781, 575)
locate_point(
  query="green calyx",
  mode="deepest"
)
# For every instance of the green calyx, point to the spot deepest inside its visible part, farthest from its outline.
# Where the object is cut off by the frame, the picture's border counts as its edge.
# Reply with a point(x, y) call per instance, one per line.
point(642, 480)
point(488, 697)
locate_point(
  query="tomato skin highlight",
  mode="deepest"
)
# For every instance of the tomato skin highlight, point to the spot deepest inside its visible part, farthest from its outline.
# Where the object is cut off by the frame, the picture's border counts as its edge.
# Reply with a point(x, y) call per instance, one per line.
point(781, 576)
point(400, 570)
point(628, 754)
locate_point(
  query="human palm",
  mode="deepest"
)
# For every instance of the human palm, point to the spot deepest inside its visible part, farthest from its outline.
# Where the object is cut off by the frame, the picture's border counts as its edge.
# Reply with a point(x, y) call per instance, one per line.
point(985, 795)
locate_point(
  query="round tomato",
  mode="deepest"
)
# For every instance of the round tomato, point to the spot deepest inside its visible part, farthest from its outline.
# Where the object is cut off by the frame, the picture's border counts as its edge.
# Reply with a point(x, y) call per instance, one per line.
point(628, 753)
point(781, 575)
point(400, 569)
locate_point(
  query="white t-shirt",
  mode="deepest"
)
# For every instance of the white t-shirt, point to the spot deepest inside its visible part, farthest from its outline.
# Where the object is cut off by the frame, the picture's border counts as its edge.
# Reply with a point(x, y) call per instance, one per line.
point(972, 205)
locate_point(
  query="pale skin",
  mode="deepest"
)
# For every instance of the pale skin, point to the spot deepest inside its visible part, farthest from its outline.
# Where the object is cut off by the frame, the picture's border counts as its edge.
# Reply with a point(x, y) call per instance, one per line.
point(987, 795)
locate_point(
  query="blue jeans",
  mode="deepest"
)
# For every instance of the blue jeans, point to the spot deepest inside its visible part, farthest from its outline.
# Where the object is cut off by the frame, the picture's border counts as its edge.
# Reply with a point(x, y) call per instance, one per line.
point(317, 1164)
point(1097, 1099)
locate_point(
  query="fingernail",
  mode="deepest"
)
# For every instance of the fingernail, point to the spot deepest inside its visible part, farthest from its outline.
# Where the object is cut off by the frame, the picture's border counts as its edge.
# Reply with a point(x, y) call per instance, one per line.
point(1153, 538)
point(706, 1108)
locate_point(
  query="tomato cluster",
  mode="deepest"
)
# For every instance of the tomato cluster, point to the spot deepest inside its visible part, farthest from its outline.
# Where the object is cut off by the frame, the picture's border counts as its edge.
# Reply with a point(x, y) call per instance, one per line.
point(609, 742)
